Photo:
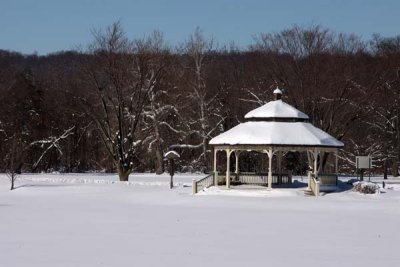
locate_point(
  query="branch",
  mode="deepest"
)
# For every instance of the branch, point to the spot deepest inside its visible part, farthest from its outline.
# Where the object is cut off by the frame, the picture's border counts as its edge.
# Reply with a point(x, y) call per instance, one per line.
point(186, 146)
point(53, 143)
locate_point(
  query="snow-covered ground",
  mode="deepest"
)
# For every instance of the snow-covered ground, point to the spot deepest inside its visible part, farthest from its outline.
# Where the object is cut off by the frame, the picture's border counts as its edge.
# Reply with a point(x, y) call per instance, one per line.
point(93, 220)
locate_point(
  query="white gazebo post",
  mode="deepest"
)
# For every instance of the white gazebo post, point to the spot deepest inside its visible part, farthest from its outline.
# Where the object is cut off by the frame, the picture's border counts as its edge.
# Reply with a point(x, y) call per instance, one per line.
point(270, 154)
point(228, 163)
point(215, 168)
point(315, 153)
point(237, 154)
point(310, 159)
point(279, 159)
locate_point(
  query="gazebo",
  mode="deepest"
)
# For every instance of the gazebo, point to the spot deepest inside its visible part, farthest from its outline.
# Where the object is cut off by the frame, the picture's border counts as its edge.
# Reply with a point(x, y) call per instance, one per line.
point(276, 128)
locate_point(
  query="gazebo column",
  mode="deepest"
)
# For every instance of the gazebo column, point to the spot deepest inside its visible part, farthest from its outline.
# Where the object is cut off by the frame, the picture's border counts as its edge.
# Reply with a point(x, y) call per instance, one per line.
point(270, 154)
point(215, 168)
point(279, 159)
point(237, 154)
point(315, 153)
point(228, 171)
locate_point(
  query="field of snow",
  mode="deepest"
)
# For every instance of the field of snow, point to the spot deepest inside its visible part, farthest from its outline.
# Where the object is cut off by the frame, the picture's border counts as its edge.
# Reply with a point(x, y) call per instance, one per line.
point(86, 220)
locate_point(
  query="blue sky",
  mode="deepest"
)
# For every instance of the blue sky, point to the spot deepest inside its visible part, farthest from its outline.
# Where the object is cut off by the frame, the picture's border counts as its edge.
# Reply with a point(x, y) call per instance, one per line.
point(46, 26)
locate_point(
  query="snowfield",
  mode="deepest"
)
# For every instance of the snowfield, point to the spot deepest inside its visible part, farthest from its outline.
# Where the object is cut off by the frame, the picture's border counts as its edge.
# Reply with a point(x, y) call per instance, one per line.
point(93, 220)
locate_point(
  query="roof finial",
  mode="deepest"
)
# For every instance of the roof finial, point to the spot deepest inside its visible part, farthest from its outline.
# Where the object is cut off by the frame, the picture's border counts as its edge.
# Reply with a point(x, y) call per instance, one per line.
point(278, 93)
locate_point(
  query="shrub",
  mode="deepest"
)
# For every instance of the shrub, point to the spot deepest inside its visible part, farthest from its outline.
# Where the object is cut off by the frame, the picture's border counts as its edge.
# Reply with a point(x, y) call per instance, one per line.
point(366, 187)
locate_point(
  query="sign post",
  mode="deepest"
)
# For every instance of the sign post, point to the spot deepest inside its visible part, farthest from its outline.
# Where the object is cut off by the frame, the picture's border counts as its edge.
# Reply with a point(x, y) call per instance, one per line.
point(171, 156)
point(362, 163)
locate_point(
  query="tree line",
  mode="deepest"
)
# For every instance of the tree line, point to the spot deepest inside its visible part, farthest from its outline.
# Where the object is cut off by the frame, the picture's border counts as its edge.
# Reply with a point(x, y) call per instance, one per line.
point(120, 103)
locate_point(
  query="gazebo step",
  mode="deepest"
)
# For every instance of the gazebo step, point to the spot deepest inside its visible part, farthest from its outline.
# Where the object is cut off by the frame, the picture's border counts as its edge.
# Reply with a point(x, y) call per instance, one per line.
point(308, 193)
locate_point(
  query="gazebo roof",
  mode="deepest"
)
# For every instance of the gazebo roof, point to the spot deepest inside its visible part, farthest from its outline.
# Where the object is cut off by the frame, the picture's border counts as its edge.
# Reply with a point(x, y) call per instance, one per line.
point(276, 134)
point(276, 124)
point(276, 109)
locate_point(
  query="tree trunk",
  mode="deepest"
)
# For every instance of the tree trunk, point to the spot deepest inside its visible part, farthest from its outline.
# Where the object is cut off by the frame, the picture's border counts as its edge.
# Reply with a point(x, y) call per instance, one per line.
point(324, 161)
point(395, 168)
point(123, 173)
point(12, 181)
point(385, 171)
point(159, 154)
point(159, 161)
point(204, 134)
point(205, 158)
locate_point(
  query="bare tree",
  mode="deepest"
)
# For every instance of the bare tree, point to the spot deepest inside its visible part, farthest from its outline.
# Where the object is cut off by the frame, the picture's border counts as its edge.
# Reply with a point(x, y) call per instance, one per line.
point(137, 98)
point(296, 41)
point(156, 120)
point(301, 42)
point(198, 52)
point(15, 159)
point(385, 46)
point(308, 63)
point(120, 74)
point(384, 108)
point(160, 110)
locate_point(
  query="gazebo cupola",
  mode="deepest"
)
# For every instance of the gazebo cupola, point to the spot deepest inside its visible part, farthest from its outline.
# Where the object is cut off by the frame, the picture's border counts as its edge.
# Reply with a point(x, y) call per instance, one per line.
point(276, 111)
point(278, 93)
point(274, 128)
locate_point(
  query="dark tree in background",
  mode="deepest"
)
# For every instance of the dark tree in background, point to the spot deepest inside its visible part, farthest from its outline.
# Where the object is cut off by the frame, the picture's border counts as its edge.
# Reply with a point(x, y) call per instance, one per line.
point(120, 104)
point(27, 140)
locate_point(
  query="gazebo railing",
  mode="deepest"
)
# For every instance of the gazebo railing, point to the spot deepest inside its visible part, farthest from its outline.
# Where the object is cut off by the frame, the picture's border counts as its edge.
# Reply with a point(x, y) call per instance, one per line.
point(253, 178)
point(285, 178)
point(313, 184)
point(202, 183)
point(324, 182)
point(262, 178)
point(222, 178)
point(328, 182)
point(327, 179)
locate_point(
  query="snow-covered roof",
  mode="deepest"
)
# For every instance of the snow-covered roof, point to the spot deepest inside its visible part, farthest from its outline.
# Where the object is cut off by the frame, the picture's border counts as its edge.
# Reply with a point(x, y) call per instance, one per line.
point(276, 109)
point(276, 133)
point(276, 124)
point(171, 154)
